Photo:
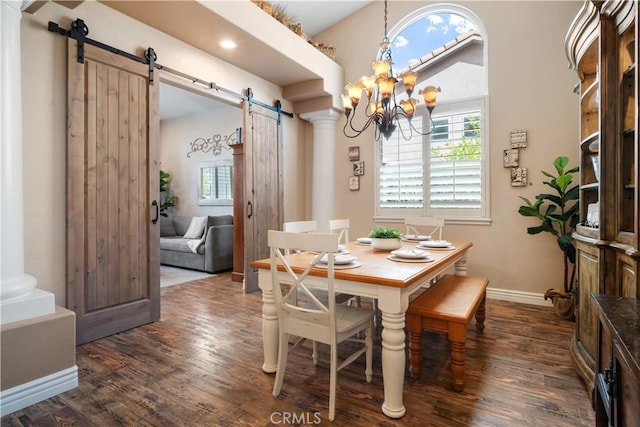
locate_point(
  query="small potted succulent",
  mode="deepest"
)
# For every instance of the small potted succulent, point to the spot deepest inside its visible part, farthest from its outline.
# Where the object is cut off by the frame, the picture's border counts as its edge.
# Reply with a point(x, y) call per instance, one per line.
point(385, 239)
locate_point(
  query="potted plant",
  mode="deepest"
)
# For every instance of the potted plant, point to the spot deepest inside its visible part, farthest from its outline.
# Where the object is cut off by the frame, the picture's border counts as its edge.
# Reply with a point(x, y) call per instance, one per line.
point(558, 215)
point(167, 200)
point(383, 238)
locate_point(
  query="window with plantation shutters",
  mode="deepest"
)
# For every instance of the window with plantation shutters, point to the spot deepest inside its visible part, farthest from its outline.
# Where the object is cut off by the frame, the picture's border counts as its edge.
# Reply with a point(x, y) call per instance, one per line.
point(215, 183)
point(440, 174)
point(445, 173)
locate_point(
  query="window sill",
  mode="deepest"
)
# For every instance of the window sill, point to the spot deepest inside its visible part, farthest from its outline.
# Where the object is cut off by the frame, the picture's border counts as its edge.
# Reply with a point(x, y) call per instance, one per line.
point(222, 202)
point(448, 221)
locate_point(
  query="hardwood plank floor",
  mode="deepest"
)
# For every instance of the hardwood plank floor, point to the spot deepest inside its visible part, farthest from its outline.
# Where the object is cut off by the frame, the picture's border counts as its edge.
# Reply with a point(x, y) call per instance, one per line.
point(200, 365)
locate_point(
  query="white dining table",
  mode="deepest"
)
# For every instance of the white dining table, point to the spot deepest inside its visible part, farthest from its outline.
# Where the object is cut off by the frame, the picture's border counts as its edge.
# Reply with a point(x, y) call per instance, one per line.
point(391, 282)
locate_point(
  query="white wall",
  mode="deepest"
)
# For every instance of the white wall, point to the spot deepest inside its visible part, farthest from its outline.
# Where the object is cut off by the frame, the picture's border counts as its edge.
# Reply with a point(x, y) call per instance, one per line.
point(44, 89)
point(530, 87)
point(176, 136)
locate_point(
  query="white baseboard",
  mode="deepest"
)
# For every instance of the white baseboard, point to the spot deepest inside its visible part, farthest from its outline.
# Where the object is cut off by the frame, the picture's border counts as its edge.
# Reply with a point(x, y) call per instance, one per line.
point(518, 296)
point(37, 390)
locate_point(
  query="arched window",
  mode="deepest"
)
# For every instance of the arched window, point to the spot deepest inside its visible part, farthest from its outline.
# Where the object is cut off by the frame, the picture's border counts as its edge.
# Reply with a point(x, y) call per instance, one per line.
point(445, 173)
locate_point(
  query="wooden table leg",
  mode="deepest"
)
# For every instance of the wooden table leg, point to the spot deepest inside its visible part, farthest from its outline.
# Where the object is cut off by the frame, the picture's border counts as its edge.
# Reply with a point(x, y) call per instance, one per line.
point(393, 363)
point(269, 324)
point(460, 267)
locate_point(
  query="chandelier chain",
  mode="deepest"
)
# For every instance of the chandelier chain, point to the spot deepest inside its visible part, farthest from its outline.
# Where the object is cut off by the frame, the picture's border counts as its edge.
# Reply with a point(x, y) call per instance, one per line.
point(385, 20)
point(381, 107)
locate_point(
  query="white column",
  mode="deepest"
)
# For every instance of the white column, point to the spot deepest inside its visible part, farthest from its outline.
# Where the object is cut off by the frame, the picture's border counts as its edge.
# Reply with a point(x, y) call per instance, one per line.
point(323, 204)
point(19, 297)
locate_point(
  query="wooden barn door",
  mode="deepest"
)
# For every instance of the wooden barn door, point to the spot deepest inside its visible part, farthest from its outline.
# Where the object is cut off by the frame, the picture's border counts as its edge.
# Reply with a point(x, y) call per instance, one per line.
point(113, 254)
point(263, 185)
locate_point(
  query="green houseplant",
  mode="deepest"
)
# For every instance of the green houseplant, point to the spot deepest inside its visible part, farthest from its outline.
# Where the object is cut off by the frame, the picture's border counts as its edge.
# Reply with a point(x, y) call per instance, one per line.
point(558, 215)
point(167, 200)
point(385, 239)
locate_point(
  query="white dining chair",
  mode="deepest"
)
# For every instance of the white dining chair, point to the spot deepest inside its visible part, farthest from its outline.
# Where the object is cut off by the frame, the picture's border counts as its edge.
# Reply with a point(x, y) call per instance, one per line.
point(341, 227)
point(431, 223)
point(300, 226)
point(312, 227)
point(325, 322)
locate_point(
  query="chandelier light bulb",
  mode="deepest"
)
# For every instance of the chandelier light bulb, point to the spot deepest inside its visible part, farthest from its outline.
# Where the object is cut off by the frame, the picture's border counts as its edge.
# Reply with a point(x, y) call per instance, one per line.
point(429, 94)
point(409, 79)
point(381, 68)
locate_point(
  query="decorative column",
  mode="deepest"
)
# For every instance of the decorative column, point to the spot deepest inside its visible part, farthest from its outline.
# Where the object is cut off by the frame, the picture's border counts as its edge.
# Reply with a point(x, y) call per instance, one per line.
point(323, 205)
point(19, 297)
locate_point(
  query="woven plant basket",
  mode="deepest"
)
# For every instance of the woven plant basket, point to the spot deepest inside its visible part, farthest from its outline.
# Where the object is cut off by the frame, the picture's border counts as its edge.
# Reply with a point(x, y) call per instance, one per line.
point(328, 50)
point(264, 5)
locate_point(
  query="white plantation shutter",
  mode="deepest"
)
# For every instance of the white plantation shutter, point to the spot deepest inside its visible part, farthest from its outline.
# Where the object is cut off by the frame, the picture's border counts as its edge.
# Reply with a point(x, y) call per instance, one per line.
point(444, 168)
point(401, 170)
point(455, 178)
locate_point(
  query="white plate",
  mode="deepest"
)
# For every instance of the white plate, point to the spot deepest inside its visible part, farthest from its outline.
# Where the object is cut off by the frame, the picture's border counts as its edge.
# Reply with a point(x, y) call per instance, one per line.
point(445, 248)
point(340, 259)
point(410, 253)
point(435, 244)
point(416, 237)
point(398, 259)
point(364, 240)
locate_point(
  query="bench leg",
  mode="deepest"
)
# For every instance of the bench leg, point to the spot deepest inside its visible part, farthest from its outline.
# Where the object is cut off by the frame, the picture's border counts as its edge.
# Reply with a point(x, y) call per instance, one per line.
point(480, 314)
point(415, 345)
point(457, 338)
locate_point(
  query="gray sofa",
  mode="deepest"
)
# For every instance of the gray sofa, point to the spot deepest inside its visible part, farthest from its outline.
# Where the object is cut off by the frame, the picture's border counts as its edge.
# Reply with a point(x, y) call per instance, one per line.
point(214, 255)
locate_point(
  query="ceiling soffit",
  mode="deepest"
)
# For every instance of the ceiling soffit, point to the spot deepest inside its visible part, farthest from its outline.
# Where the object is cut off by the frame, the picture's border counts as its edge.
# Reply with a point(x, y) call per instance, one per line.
point(266, 48)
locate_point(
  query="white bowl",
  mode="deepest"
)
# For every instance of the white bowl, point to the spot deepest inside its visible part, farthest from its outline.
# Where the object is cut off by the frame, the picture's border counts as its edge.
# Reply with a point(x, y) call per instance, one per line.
point(386, 244)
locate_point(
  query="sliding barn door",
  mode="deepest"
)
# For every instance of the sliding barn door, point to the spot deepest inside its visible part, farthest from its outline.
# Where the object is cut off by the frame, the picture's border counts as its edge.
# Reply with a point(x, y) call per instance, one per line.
point(263, 185)
point(112, 192)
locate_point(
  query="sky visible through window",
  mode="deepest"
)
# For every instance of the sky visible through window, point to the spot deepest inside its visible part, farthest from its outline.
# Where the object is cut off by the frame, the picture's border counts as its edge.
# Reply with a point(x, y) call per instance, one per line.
point(425, 35)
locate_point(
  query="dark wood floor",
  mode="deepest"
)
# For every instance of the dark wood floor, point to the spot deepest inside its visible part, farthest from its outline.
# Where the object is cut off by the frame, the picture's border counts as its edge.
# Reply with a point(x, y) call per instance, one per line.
point(201, 366)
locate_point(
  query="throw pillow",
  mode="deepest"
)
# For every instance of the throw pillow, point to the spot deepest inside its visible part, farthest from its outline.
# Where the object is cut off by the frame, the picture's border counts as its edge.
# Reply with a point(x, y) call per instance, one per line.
point(196, 227)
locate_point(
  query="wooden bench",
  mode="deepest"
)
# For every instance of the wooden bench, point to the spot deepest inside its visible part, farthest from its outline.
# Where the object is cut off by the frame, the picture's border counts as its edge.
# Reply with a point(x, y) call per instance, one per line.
point(447, 306)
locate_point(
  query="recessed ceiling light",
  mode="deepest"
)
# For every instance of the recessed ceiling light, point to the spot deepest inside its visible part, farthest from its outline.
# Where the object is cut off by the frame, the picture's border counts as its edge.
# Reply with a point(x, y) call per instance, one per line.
point(228, 44)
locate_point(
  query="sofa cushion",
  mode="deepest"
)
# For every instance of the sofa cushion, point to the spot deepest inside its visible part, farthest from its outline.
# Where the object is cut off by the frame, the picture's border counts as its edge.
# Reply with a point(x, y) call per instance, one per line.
point(178, 244)
point(219, 220)
point(181, 224)
point(166, 227)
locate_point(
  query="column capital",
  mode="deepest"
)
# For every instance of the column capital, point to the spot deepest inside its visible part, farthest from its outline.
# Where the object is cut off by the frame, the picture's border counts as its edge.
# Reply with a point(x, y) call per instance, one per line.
point(326, 114)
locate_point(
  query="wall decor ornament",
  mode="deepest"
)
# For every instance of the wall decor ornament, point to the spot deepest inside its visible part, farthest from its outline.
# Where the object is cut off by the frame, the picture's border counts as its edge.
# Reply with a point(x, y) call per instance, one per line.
point(354, 183)
point(518, 177)
point(511, 158)
point(215, 144)
point(358, 168)
point(354, 153)
point(518, 139)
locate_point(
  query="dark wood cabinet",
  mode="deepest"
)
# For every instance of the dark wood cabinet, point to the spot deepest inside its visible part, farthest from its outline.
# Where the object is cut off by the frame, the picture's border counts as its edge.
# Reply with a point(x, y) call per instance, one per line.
point(602, 46)
point(617, 388)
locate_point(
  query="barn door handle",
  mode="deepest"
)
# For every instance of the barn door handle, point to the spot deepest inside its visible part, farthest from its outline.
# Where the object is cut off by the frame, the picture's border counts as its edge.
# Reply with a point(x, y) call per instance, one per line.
point(249, 210)
point(155, 204)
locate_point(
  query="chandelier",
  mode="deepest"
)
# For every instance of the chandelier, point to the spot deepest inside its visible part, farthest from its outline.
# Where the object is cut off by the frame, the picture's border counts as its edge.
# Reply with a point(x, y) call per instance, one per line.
point(383, 109)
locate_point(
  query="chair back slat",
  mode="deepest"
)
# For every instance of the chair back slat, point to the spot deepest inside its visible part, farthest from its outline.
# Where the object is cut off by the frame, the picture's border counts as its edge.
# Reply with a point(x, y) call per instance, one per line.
point(323, 245)
point(435, 225)
point(300, 226)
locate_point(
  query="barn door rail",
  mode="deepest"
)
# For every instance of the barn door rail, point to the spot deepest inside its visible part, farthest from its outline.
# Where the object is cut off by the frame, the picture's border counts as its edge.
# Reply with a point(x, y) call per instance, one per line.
point(79, 31)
